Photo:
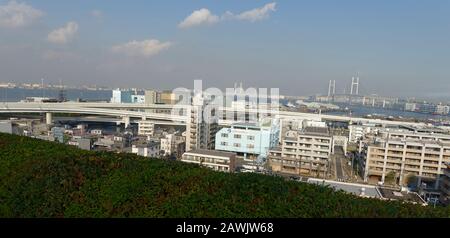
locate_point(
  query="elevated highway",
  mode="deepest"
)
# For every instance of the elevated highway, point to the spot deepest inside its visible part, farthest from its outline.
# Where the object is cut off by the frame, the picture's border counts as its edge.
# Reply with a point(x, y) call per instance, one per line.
point(50, 108)
point(131, 111)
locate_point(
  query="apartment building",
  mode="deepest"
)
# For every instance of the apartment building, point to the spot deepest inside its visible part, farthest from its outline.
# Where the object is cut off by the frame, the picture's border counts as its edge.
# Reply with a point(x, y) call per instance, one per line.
point(406, 162)
point(414, 135)
point(146, 149)
point(146, 128)
point(445, 186)
point(249, 138)
point(200, 131)
point(121, 96)
point(140, 99)
point(168, 97)
point(173, 145)
point(215, 160)
point(357, 132)
point(442, 109)
point(306, 152)
point(152, 97)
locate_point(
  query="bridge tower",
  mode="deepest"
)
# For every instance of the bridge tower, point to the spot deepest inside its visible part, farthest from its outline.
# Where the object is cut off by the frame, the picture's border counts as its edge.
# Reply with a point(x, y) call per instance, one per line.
point(331, 88)
point(354, 90)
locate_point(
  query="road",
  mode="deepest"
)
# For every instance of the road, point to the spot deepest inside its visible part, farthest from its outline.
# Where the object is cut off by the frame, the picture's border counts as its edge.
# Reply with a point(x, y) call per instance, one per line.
point(339, 154)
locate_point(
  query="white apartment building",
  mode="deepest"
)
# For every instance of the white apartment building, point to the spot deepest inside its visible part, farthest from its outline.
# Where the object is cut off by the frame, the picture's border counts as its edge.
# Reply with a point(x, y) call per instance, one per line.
point(303, 152)
point(146, 149)
point(411, 107)
point(442, 109)
point(409, 162)
point(140, 99)
point(152, 97)
point(215, 160)
point(357, 132)
point(200, 131)
point(173, 145)
point(412, 135)
point(146, 128)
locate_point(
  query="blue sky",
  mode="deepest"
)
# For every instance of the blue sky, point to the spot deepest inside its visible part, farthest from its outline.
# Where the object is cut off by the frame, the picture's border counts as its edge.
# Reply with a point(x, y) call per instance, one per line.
point(399, 47)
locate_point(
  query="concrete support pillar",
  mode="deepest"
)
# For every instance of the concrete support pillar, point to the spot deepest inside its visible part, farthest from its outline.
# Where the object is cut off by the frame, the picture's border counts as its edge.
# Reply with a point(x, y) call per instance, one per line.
point(126, 121)
point(48, 118)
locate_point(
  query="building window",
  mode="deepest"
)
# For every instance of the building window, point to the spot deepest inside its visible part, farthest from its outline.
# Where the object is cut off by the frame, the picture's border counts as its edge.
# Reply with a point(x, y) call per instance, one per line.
point(237, 136)
point(224, 135)
point(224, 143)
point(250, 137)
point(237, 145)
point(251, 146)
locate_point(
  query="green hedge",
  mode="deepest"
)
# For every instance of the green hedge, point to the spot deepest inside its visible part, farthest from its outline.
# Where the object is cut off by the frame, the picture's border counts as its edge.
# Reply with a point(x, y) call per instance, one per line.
point(44, 179)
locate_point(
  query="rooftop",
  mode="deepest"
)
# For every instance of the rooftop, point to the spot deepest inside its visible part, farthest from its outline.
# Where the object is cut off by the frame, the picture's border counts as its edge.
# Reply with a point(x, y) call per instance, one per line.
point(144, 144)
point(382, 142)
point(244, 125)
point(212, 153)
point(401, 195)
point(321, 131)
point(356, 189)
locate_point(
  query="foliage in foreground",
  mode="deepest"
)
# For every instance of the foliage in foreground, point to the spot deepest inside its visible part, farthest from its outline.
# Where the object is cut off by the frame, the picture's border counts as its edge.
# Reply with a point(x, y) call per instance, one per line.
point(43, 179)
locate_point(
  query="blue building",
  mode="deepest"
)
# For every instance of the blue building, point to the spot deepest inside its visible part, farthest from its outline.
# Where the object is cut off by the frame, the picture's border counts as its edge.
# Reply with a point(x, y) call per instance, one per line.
point(249, 139)
point(58, 134)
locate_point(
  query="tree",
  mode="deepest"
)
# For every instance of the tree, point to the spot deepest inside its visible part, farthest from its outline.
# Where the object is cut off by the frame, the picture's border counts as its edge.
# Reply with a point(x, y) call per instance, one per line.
point(390, 178)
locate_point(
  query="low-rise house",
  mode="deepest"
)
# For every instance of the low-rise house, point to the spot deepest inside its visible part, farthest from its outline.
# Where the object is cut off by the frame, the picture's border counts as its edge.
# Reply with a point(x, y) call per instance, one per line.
point(215, 160)
point(146, 149)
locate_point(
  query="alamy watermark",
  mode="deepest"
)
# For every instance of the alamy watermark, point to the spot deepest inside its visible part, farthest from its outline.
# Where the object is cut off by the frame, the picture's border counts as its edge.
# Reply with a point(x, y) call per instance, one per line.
point(235, 104)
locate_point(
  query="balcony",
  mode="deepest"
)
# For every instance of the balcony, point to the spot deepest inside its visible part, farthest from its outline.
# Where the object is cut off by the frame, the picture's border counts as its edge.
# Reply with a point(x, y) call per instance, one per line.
point(412, 162)
point(375, 172)
point(415, 156)
point(409, 169)
point(415, 150)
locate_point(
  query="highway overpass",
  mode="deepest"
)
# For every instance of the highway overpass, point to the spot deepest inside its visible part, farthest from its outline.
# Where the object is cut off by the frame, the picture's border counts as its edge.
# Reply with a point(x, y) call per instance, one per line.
point(125, 111)
point(50, 108)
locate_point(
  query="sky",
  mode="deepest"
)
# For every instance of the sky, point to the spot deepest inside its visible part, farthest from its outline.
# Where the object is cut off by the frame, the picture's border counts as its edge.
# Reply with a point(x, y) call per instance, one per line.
point(398, 48)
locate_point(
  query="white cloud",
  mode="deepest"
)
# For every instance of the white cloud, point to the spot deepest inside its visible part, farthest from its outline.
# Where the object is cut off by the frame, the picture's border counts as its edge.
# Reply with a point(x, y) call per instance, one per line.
point(146, 48)
point(96, 13)
point(15, 14)
point(64, 34)
point(199, 17)
point(257, 14)
point(205, 17)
